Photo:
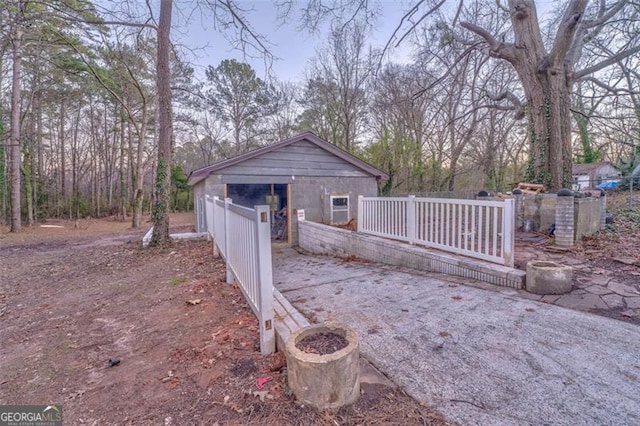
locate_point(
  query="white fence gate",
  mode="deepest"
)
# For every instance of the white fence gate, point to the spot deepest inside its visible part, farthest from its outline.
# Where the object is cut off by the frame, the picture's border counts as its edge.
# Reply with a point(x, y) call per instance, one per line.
point(243, 238)
point(476, 228)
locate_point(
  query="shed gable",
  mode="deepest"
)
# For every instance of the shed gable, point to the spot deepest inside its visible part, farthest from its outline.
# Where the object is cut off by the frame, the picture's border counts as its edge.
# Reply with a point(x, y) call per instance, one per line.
point(301, 158)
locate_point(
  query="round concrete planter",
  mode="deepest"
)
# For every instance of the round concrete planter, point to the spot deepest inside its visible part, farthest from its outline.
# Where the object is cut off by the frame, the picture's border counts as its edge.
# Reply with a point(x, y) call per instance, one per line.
point(545, 277)
point(324, 381)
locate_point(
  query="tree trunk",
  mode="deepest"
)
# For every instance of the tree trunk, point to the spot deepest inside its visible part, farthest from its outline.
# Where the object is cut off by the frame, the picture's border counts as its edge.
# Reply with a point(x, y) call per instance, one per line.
point(122, 172)
point(549, 101)
point(28, 186)
point(63, 159)
point(547, 80)
point(3, 181)
point(139, 188)
point(3, 164)
point(14, 140)
point(39, 185)
point(163, 83)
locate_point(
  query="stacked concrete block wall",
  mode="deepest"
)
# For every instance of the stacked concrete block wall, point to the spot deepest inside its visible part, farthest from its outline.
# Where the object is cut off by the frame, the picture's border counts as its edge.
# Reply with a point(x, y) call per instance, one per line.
point(587, 216)
point(519, 208)
point(589, 213)
point(323, 239)
point(603, 210)
point(313, 194)
point(564, 231)
point(199, 208)
point(541, 208)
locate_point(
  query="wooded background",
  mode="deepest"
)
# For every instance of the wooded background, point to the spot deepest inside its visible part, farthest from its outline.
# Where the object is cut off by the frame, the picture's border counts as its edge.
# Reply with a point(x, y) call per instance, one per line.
point(493, 93)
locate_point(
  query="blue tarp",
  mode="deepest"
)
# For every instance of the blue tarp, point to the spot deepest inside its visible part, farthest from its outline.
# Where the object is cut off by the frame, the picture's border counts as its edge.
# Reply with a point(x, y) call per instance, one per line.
point(608, 185)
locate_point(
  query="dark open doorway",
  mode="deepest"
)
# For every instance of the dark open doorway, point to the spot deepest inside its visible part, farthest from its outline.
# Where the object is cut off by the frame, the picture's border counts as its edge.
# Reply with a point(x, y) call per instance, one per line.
point(275, 195)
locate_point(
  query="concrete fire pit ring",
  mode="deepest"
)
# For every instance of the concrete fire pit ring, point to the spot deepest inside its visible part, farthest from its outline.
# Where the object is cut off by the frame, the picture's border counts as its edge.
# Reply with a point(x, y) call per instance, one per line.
point(545, 277)
point(326, 381)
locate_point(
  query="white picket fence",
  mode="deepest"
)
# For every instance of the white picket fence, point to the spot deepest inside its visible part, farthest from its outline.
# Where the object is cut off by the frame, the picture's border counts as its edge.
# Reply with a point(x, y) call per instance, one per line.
point(242, 236)
point(475, 228)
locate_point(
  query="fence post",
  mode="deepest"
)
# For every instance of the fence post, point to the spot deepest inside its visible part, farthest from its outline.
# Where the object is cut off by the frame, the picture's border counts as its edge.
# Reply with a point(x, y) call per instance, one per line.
point(227, 233)
point(265, 280)
point(216, 252)
point(508, 231)
point(603, 209)
point(564, 218)
point(360, 222)
point(411, 219)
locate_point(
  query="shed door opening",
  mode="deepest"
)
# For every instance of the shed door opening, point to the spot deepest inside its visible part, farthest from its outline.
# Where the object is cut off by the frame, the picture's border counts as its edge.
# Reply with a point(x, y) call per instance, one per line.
point(258, 194)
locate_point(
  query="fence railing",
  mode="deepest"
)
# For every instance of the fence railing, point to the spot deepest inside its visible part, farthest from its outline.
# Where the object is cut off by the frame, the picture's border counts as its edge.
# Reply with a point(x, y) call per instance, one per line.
point(475, 228)
point(242, 236)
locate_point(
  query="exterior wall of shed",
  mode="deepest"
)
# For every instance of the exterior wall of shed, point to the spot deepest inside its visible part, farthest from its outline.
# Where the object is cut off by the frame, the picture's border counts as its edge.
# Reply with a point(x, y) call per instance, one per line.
point(605, 171)
point(309, 193)
point(313, 194)
point(313, 173)
point(199, 206)
point(582, 182)
point(595, 177)
point(209, 187)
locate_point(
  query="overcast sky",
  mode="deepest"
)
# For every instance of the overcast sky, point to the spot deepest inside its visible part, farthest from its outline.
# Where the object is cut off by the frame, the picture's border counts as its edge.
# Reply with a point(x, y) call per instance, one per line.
point(294, 48)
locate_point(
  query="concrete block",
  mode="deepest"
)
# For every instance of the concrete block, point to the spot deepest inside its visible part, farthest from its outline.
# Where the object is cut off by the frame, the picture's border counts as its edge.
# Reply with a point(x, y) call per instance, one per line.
point(548, 278)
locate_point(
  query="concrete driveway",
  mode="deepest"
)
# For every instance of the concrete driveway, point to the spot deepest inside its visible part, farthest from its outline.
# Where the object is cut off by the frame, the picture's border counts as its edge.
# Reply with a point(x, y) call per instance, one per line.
point(479, 356)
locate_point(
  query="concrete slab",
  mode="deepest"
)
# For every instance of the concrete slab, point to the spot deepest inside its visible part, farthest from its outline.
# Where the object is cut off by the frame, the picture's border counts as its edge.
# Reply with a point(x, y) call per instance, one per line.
point(583, 302)
point(479, 356)
point(632, 302)
point(623, 289)
point(613, 300)
point(316, 269)
point(598, 289)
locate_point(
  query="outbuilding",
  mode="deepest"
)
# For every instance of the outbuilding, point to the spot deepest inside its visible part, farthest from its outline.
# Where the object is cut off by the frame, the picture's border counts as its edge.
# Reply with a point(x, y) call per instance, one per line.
point(304, 173)
point(592, 175)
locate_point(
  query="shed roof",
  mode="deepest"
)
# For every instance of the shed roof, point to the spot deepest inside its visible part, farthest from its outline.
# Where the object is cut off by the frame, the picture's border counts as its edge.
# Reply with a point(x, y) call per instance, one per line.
point(585, 169)
point(202, 173)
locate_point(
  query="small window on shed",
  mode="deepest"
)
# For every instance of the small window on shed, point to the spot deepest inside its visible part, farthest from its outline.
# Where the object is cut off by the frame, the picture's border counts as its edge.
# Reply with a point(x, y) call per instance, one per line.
point(339, 209)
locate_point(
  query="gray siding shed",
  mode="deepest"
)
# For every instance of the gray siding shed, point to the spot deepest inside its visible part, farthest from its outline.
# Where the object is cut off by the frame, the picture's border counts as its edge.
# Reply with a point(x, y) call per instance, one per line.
point(311, 169)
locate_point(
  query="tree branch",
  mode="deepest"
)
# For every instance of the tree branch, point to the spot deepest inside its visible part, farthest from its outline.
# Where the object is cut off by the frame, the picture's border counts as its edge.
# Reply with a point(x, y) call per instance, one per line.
point(566, 32)
point(422, 18)
point(578, 75)
point(604, 17)
point(497, 49)
point(462, 56)
point(406, 16)
point(607, 87)
point(517, 106)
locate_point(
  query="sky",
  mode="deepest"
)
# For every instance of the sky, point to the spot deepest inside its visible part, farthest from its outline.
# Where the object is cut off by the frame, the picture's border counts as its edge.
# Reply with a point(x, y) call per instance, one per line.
point(294, 48)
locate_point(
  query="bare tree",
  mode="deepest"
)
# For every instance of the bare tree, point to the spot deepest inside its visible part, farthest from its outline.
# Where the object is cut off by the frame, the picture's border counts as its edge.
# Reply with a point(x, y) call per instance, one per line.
point(239, 99)
point(284, 111)
point(547, 67)
point(15, 180)
point(340, 76)
point(547, 73)
point(160, 214)
point(399, 121)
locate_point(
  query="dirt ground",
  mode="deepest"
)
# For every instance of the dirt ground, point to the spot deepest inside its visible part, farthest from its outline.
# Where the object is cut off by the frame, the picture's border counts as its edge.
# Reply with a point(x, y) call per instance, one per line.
point(74, 295)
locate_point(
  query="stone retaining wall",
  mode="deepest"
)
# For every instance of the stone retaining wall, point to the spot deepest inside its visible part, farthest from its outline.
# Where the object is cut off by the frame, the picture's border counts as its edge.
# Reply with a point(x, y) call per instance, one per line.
point(323, 239)
point(588, 213)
